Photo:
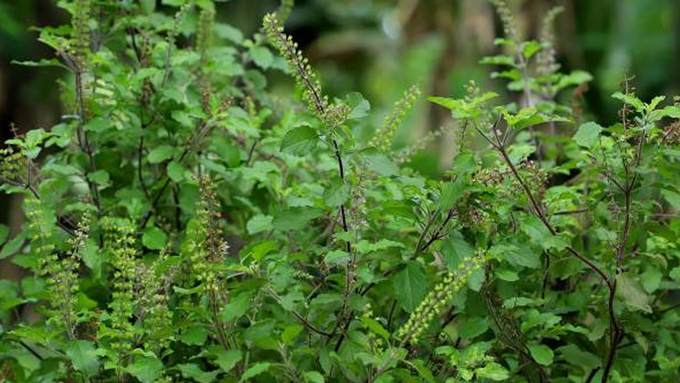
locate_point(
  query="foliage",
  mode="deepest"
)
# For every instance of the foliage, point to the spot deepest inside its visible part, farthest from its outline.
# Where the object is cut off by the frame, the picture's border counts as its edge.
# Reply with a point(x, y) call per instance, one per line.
point(185, 225)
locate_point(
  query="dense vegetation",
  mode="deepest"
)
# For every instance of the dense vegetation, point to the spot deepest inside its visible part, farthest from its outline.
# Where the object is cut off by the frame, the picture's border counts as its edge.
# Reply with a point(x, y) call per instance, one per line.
point(185, 223)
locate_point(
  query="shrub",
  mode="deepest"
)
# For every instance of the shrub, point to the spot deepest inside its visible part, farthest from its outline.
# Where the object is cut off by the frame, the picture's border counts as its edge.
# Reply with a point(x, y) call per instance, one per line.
point(185, 224)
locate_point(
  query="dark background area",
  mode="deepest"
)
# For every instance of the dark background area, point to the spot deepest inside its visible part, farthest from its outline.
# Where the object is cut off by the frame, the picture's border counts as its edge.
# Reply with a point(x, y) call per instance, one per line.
point(381, 47)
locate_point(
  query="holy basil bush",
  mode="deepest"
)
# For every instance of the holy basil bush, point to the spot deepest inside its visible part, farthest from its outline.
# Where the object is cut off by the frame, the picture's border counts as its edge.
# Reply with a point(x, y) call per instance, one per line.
point(185, 224)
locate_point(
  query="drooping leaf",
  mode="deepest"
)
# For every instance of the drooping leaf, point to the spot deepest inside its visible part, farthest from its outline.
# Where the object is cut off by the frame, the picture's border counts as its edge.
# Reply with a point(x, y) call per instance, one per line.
point(632, 294)
point(542, 354)
point(84, 357)
point(410, 286)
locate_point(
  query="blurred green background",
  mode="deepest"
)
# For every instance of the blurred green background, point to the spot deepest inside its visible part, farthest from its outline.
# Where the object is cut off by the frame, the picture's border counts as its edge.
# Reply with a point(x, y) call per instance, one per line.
point(381, 47)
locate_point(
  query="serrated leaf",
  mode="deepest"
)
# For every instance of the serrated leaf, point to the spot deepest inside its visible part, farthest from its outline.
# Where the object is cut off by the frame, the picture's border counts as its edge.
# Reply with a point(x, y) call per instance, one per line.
point(299, 141)
point(358, 106)
point(631, 293)
point(193, 371)
point(83, 357)
point(380, 163)
point(194, 336)
point(227, 359)
point(336, 193)
point(259, 223)
point(145, 369)
point(451, 192)
point(296, 218)
point(410, 286)
point(587, 134)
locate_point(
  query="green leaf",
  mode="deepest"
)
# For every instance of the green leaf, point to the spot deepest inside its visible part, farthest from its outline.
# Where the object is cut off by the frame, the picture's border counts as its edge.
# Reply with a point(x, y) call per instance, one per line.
point(161, 154)
point(13, 245)
point(587, 134)
point(226, 31)
point(175, 171)
point(290, 333)
point(630, 99)
point(83, 357)
point(493, 371)
point(255, 370)
point(423, 370)
point(237, 307)
point(672, 197)
point(259, 223)
point(154, 238)
point(522, 256)
point(675, 273)
point(632, 294)
point(194, 336)
point(296, 218)
point(97, 125)
point(380, 163)
point(145, 369)
point(577, 357)
point(261, 56)
point(542, 354)
point(531, 48)
point(313, 377)
point(375, 327)
point(4, 233)
point(193, 371)
point(451, 192)
point(299, 141)
point(358, 106)
point(336, 193)
point(456, 249)
point(100, 177)
point(336, 257)
point(410, 286)
point(148, 5)
point(227, 359)
point(473, 327)
point(535, 229)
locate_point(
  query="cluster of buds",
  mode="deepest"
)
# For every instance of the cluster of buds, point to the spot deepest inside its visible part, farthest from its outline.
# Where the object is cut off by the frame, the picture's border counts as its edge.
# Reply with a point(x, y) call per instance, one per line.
point(546, 60)
point(207, 247)
point(331, 115)
point(153, 286)
point(204, 32)
point(80, 33)
point(120, 238)
point(384, 136)
point(508, 20)
point(439, 298)
point(375, 342)
point(671, 136)
point(12, 164)
point(535, 178)
point(358, 211)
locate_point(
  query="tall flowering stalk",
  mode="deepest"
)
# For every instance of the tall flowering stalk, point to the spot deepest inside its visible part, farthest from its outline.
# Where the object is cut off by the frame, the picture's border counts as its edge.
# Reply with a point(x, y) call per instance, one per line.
point(438, 299)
